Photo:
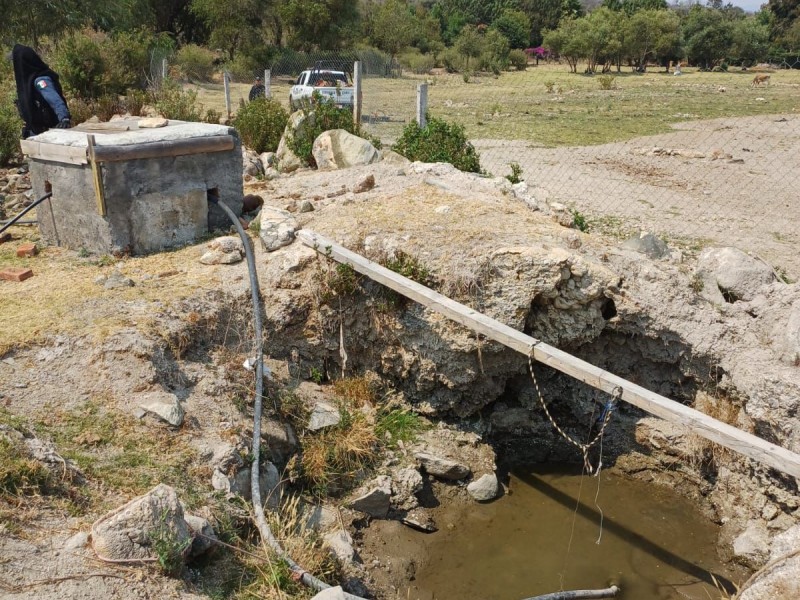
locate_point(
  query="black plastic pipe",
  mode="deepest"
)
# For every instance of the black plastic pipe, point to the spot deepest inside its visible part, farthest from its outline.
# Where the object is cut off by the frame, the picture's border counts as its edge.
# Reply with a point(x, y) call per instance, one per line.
point(24, 212)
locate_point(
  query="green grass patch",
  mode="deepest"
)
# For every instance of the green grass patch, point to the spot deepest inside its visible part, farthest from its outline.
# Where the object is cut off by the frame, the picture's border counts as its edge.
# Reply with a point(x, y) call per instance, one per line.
point(399, 425)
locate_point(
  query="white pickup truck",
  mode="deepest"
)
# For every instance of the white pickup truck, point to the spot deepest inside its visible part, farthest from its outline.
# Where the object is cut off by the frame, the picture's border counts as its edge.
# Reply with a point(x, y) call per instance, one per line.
point(331, 85)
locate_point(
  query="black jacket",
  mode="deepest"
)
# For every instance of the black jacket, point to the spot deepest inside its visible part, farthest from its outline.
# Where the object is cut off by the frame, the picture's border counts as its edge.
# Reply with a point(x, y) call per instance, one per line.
point(37, 114)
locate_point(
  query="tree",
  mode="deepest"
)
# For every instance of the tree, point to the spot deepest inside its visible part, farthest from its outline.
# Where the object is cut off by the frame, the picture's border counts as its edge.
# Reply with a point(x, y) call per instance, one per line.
point(709, 36)
point(633, 6)
point(232, 22)
point(548, 14)
point(596, 36)
point(565, 41)
point(750, 41)
point(393, 27)
point(427, 33)
point(469, 43)
point(515, 26)
point(652, 34)
point(495, 51)
point(326, 24)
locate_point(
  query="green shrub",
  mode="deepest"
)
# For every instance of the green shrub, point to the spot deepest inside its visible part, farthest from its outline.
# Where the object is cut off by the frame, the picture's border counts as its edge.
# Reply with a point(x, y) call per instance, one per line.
point(261, 124)
point(212, 116)
point(107, 106)
point(606, 82)
point(80, 110)
point(453, 61)
point(438, 141)
point(417, 62)
point(173, 102)
point(126, 60)
point(79, 62)
point(10, 124)
point(518, 59)
point(325, 117)
point(196, 63)
point(516, 173)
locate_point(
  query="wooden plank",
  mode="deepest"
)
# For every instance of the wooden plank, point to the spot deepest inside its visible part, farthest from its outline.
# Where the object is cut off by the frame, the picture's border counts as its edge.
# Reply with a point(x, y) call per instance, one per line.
point(199, 145)
point(697, 422)
point(73, 155)
point(113, 127)
point(97, 177)
point(357, 95)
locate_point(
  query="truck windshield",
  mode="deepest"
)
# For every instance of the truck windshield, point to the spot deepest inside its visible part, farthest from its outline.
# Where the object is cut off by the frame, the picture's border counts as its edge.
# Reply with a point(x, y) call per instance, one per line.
point(327, 79)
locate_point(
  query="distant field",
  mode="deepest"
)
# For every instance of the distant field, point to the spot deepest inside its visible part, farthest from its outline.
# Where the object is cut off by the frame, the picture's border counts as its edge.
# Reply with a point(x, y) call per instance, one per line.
point(518, 106)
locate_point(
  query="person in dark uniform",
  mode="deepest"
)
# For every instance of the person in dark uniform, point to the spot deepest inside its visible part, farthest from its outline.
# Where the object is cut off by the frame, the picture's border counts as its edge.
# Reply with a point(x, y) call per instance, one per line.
point(40, 100)
point(257, 91)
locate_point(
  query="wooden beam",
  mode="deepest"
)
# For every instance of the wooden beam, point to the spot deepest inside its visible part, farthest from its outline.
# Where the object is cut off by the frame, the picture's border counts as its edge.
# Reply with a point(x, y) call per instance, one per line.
point(74, 155)
point(97, 177)
point(198, 145)
point(697, 422)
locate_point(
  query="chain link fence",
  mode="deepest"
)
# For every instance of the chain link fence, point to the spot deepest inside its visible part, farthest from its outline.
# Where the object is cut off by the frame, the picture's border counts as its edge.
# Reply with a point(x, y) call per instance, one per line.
point(699, 158)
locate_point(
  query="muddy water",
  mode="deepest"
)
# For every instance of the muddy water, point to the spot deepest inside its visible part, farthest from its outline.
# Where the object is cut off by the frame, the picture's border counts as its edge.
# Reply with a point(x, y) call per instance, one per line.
point(653, 544)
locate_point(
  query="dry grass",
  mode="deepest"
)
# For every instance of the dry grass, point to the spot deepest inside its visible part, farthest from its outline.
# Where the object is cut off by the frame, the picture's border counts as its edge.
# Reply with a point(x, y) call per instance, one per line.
point(702, 452)
point(62, 297)
point(357, 391)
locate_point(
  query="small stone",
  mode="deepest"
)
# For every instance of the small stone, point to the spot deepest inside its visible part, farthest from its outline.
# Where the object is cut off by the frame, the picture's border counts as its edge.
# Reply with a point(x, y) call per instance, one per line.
point(216, 257)
point(331, 593)
point(77, 541)
point(442, 210)
point(376, 501)
point(341, 545)
point(165, 406)
point(323, 415)
point(153, 123)
point(117, 280)
point(648, 244)
point(443, 468)
point(485, 488)
point(306, 206)
point(203, 536)
point(365, 184)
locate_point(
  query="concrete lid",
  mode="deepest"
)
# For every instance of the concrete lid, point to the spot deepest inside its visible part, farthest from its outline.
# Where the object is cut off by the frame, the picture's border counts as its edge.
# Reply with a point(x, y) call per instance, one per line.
point(175, 130)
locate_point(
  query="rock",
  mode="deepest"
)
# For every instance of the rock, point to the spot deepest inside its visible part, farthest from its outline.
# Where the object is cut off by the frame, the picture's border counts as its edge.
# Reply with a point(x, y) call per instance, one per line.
point(116, 280)
point(306, 206)
point(323, 415)
point(730, 275)
point(277, 228)
point(321, 518)
point(780, 581)
point(239, 483)
point(751, 547)
point(280, 438)
point(485, 488)
point(340, 149)
point(341, 545)
point(365, 184)
point(129, 532)
point(648, 244)
point(442, 468)
point(165, 406)
point(393, 158)
point(215, 257)
point(332, 593)
point(77, 541)
point(406, 483)
point(442, 210)
point(153, 123)
point(376, 501)
point(271, 173)
point(227, 243)
point(785, 543)
point(250, 203)
point(287, 161)
point(267, 160)
point(203, 536)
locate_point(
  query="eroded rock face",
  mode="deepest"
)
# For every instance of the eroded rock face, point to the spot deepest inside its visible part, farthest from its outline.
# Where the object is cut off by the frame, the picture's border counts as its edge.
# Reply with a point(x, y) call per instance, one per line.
point(730, 275)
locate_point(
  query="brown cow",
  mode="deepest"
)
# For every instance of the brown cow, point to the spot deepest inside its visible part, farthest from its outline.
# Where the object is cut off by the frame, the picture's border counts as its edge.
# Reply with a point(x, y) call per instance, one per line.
point(759, 79)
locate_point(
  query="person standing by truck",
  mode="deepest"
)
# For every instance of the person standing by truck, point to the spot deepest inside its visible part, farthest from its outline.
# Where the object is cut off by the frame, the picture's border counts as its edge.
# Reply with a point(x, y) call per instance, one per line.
point(258, 90)
point(40, 100)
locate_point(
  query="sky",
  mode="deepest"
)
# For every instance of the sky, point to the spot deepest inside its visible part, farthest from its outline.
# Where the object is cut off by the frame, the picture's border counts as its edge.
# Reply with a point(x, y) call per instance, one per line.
point(748, 5)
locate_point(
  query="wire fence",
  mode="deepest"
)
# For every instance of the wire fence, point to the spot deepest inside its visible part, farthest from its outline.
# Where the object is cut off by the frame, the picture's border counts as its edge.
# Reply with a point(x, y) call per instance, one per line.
point(699, 158)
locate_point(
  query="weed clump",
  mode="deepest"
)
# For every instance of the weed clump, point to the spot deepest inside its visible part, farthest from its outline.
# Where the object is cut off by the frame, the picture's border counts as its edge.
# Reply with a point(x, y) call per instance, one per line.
point(516, 173)
point(438, 141)
point(261, 124)
point(173, 102)
point(399, 425)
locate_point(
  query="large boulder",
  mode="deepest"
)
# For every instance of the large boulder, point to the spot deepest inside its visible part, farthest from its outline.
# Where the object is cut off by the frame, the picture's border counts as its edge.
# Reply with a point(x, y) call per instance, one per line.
point(729, 275)
point(277, 228)
point(287, 161)
point(132, 531)
point(340, 149)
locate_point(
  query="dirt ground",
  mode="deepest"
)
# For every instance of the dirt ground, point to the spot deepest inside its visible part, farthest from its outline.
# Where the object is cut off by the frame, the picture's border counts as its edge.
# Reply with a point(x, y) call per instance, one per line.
point(731, 182)
point(689, 199)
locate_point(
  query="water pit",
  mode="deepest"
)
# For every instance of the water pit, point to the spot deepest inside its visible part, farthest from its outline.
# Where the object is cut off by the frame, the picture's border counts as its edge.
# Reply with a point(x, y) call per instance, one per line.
point(535, 540)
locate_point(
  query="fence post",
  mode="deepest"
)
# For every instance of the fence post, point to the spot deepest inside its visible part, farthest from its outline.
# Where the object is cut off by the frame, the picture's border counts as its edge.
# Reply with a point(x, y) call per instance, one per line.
point(164, 68)
point(226, 81)
point(357, 93)
point(267, 89)
point(422, 103)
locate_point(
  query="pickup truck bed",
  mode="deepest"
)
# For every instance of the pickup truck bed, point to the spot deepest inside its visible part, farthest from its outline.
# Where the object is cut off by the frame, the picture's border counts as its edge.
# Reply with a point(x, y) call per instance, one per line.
point(331, 85)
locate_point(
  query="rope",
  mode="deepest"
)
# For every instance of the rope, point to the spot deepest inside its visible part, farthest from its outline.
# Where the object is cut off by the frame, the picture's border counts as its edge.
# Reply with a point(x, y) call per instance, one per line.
point(605, 416)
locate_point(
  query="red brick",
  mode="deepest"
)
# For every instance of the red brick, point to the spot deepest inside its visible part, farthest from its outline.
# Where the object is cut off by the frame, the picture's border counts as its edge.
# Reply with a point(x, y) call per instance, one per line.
point(4, 237)
point(16, 274)
point(27, 250)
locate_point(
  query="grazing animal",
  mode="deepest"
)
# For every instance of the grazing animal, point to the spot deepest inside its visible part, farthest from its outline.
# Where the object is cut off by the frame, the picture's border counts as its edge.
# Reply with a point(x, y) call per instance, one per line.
point(759, 79)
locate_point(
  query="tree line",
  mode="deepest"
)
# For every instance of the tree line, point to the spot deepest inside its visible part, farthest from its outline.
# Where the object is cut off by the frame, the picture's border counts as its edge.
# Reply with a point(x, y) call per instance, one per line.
point(461, 34)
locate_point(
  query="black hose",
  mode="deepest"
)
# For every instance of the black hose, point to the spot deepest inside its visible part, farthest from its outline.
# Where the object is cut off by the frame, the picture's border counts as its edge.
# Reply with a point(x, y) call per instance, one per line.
point(24, 212)
point(255, 471)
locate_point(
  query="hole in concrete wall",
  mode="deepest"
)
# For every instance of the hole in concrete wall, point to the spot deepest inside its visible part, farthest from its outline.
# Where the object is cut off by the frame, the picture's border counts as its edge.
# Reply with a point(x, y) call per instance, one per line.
point(213, 193)
point(48, 187)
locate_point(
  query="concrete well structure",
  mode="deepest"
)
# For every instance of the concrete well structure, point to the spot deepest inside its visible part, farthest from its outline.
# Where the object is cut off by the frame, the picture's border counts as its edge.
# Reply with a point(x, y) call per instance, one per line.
point(119, 187)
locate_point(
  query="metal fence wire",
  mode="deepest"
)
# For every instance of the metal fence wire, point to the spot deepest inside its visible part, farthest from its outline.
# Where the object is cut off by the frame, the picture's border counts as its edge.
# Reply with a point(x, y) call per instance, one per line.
point(699, 158)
